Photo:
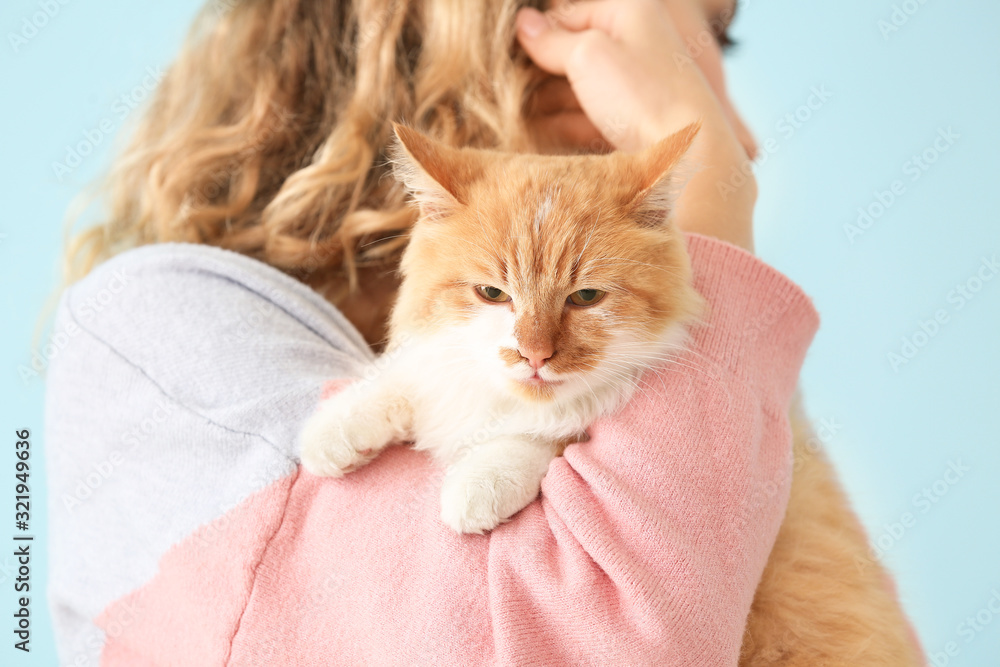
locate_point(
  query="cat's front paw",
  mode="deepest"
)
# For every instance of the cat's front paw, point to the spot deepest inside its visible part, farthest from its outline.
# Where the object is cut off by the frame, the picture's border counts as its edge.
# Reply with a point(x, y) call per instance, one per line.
point(335, 441)
point(476, 503)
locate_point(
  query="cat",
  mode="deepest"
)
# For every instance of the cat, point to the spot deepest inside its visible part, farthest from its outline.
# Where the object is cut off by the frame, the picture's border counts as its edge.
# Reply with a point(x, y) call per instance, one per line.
point(535, 291)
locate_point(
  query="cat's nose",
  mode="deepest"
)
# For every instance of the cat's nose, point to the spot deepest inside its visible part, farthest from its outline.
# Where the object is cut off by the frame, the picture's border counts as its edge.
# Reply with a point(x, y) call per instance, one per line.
point(536, 356)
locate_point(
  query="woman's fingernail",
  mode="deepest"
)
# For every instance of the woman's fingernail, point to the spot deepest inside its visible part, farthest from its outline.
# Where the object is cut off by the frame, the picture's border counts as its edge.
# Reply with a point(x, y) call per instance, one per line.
point(532, 22)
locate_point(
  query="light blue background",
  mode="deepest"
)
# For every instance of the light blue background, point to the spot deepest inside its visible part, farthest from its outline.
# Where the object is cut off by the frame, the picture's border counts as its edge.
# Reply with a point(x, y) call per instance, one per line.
point(896, 431)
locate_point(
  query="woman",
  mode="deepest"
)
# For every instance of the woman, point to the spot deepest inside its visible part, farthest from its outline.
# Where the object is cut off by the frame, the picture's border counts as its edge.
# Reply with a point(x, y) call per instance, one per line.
point(182, 529)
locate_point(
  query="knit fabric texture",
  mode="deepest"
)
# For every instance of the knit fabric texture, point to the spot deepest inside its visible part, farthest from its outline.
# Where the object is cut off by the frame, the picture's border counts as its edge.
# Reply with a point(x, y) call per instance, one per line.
point(185, 533)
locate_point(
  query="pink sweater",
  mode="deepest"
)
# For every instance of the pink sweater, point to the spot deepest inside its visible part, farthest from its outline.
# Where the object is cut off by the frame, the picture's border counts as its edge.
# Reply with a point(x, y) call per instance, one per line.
point(644, 548)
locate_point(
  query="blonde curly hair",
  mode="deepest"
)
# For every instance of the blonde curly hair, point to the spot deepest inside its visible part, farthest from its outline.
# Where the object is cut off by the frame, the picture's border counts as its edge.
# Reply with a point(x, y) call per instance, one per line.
point(269, 133)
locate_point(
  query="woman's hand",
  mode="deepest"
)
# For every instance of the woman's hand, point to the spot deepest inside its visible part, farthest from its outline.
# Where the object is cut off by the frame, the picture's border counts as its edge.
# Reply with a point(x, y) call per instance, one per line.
point(632, 82)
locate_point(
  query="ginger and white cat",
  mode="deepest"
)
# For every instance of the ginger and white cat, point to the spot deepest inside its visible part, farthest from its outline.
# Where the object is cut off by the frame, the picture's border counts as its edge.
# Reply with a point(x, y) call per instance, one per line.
point(536, 290)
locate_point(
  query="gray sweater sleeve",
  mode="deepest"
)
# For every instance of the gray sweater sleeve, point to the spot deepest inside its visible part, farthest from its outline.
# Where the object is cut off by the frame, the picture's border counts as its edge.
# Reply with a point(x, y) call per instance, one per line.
point(182, 377)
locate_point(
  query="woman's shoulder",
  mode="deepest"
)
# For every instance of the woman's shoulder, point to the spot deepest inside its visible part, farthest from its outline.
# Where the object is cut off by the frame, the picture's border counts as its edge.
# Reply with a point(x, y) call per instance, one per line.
point(176, 286)
point(223, 335)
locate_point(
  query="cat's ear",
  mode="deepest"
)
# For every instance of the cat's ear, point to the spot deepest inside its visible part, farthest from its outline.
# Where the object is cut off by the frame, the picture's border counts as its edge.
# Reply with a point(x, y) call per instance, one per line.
point(663, 173)
point(435, 174)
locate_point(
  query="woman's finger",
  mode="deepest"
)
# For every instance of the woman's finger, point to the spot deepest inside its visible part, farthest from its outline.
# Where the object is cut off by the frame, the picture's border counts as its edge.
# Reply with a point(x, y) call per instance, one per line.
point(584, 15)
point(548, 47)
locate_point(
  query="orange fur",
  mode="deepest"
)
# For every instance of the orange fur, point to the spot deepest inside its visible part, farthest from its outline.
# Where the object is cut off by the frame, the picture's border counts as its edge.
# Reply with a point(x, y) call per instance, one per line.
point(822, 602)
point(536, 290)
point(543, 227)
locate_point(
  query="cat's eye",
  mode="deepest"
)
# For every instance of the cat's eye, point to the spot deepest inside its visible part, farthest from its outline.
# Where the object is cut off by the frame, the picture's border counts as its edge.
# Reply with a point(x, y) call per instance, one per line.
point(492, 294)
point(586, 297)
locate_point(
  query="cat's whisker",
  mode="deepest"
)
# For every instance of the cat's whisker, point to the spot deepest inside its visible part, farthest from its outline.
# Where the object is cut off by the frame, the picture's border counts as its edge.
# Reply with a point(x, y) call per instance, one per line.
point(520, 228)
point(668, 361)
point(628, 379)
point(639, 383)
point(672, 362)
point(383, 239)
point(591, 389)
point(671, 349)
